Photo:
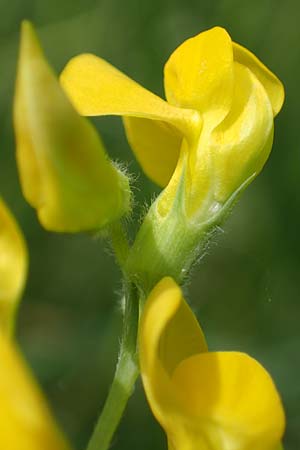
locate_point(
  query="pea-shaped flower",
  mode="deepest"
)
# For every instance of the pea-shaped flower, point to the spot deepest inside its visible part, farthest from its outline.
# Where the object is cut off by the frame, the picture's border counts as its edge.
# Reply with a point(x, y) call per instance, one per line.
point(13, 267)
point(204, 145)
point(64, 170)
point(203, 400)
point(215, 130)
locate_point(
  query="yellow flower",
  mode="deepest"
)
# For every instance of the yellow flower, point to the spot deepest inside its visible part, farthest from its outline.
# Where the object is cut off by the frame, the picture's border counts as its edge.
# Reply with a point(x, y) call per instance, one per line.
point(64, 170)
point(25, 421)
point(204, 145)
point(203, 400)
point(13, 267)
point(215, 130)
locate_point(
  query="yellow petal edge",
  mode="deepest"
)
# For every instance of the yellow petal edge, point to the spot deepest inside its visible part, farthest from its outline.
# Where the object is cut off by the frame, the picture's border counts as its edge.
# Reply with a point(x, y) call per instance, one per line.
point(270, 82)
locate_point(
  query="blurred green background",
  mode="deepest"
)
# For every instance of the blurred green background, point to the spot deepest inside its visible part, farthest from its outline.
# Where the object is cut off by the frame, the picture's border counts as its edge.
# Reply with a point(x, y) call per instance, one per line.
point(245, 291)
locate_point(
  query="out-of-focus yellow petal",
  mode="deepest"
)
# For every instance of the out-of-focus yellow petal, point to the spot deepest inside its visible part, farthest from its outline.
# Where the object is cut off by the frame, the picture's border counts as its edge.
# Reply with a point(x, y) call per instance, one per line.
point(156, 145)
point(25, 422)
point(207, 400)
point(65, 172)
point(13, 267)
point(270, 82)
point(199, 74)
point(227, 400)
point(169, 333)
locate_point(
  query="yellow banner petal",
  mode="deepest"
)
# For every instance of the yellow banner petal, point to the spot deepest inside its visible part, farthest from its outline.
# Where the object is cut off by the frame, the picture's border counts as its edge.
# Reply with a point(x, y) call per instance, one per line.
point(13, 267)
point(25, 422)
point(65, 172)
point(199, 74)
point(270, 82)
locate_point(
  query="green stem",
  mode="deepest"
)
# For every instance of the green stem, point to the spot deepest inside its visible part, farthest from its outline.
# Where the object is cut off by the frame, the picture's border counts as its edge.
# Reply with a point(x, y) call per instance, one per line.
point(125, 376)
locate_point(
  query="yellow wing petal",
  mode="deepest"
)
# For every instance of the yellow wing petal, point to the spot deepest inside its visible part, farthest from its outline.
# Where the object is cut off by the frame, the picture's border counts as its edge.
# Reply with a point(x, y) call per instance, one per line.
point(65, 172)
point(270, 82)
point(156, 145)
point(13, 267)
point(199, 74)
point(25, 422)
point(227, 400)
point(97, 88)
point(169, 333)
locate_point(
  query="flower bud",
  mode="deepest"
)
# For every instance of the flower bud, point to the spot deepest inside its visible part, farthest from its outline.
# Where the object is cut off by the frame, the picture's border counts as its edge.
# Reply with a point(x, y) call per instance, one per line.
point(64, 170)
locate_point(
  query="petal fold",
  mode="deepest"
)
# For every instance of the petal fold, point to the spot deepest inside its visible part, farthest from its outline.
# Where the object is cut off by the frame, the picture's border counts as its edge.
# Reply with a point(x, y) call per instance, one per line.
point(13, 267)
point(241, 144)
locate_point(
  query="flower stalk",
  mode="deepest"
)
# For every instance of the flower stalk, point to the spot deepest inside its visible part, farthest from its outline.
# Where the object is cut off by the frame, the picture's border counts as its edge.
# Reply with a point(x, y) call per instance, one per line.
point(125, 376)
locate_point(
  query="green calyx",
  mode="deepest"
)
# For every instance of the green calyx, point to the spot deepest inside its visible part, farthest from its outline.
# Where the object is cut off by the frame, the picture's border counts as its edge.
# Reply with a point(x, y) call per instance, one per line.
point(170, 245)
